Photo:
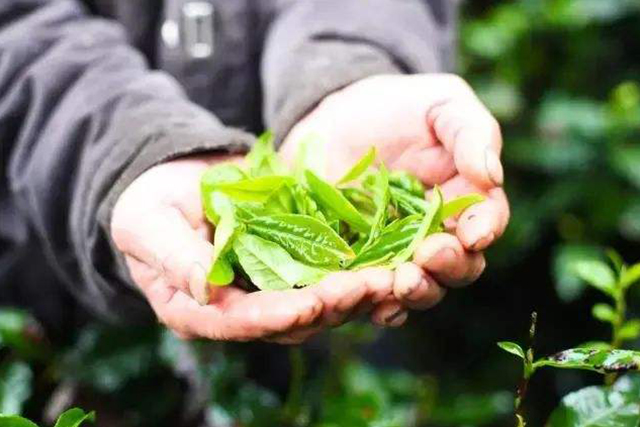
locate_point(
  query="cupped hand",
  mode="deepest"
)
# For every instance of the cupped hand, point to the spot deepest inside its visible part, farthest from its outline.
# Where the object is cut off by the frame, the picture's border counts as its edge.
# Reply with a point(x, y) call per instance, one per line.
point(159, 226)
point(434, 127)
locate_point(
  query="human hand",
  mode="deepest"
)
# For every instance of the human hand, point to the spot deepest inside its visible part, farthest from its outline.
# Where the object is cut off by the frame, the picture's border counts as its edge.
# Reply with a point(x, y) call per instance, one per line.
point(159, 225)
point(434, 127)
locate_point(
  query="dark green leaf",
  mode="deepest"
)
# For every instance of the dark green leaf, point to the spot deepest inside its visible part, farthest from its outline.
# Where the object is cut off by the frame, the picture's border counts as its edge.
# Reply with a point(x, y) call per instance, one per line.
point(270, 267)
point(304, 237)
point(74, 418)
point(513, 348)
point(333, 200)
point(360, 167)
point(596, 407)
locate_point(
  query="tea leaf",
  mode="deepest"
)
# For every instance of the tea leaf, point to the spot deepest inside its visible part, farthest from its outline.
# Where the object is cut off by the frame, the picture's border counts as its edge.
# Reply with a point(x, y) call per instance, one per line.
point(630, 276)
point(224, 172)
point(360, 199)
point(408, 203)
point(333, 200)
point(597, 274)
point(360, 167)
point(630, 330)
point(405, 181)
point(604, 313)
point(74, 417)
point(379, 185)
point(427, 224)
point(311, 156)
point(513, 348)
point(253, 189)
point(15, 421)
point(596, 345)
point(395, 237)
point(270, 267)
point(304, 237)
point(596, 407)
point(262, 160)
point(221, 272)
point(459, 204)
point(602, 361)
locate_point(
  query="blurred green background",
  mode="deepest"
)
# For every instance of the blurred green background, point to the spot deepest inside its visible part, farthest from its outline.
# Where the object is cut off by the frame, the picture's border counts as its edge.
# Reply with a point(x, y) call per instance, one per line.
point(563, 77)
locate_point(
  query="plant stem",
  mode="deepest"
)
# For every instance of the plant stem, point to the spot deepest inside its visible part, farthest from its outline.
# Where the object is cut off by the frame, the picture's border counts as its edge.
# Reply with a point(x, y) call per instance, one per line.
point(617, 339)
point(528, 371)
point(293, 404)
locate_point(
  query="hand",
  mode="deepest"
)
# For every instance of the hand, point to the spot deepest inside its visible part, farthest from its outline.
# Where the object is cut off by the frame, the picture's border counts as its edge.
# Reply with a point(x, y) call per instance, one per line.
point(158, 224)
point(436, 128)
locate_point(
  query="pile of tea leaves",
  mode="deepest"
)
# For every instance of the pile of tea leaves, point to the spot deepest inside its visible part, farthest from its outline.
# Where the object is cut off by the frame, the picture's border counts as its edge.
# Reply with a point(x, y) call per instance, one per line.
point(283, 229)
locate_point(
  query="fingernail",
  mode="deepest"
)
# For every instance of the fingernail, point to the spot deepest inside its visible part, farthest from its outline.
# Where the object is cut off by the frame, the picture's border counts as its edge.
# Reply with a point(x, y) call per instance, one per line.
point(198, 286)
point(494, 167)
point(482, 242)
point(397, 318)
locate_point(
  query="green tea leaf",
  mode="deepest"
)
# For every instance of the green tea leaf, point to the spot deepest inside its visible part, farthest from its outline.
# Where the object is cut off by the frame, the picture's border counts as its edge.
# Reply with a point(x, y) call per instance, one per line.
point(596, 407)
point(361, 200)
point(394, 238)
point(604, 313)
point(224, 172)
point(630, 330)
point(513, 348)
point(407, 182)
point(333, 200)
point(270, 267)
point(459, 204)
point(630, 276)
point(379, 186)
point(311, 156)
point(596, 345)
point(304, 237)
point(253, 189)
point(568, 285)
point(221, 272)
point(408, 203)
point(360, 167)
point(602, 361)
point(74, 418)
point(15, 421)
point(597, 274)
point(426, 225)
point(262, 160)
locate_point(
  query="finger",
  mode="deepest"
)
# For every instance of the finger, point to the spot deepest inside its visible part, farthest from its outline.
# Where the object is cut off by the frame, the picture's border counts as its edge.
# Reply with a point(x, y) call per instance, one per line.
point(343, 293)
point(468, 131)
point(166, 242)
point(415, 289)
point(481, 224)
point(443, 256)
point(296, 336)
point(431, 164)
point(389, 313)
point(237, 317)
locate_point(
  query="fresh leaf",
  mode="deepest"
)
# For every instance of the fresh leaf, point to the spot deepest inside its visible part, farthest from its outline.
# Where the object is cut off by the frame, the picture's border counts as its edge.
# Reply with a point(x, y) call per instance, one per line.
point(604, 313)
point(407, 182)
point(568, 285)
point(596, 407)
point(253, 189)
point(221, 272)
point(597, 274)
point(333, 200)
point(74, 418)
point(360, 167)
point(455, 206)
point(426, 225)
point(360, 199)
point(408, 203)
point(596, 345)
point(513, 348)
point(304, 237)
point(311, 156)
point(270, 267)
point(602, 361)
point(15, 421)
point(379, 186)
point(630, 330)
point(262, 160)
point(630, 276)
point(394, 238)
point(616, 260)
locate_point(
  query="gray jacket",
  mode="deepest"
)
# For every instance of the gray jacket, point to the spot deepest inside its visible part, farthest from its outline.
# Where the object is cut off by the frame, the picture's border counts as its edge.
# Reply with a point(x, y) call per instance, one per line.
point(92, 93)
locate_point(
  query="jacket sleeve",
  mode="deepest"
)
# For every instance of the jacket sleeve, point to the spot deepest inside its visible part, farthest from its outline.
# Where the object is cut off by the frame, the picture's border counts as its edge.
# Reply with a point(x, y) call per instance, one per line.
point(317, 47)
point(81, 116)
